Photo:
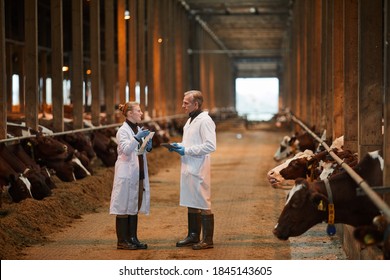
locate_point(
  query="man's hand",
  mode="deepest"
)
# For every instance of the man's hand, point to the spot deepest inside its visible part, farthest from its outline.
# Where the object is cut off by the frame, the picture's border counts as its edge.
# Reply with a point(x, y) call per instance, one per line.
point(178, 149)
point(141, 134)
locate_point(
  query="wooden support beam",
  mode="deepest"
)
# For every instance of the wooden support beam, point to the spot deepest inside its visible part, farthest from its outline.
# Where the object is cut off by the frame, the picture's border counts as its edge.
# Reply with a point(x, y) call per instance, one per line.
point(338, 70)
point(77, 66)
point(351, 49)
point(133, 56)
point(122, 65)
point(31, 61)
point(95, 61)
point(170, 51)
point(43, 76)
point(180, 53)
point(109, 69)
point(157, 53)
point(141, 63)
point(163, 22)
point(370, 76)
point(8, 69)
point(56, 64)
point(149, 102)
point(329, 68)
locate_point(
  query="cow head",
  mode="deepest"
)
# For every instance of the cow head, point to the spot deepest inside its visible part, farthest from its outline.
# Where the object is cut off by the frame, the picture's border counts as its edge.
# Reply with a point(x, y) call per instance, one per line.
point(286, 148)
point(19, 188)
point(47, 148)
point(39, 187)
point(81, 142)
point(301, 211)
point(284, 175)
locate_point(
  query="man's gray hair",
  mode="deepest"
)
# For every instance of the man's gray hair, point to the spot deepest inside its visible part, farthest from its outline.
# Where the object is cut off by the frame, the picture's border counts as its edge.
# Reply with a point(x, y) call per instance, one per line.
point(197, 96)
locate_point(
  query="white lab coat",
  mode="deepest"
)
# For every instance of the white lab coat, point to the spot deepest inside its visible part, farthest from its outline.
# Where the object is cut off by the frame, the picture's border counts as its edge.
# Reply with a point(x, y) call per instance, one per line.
point(124, 196)
point(199, 140)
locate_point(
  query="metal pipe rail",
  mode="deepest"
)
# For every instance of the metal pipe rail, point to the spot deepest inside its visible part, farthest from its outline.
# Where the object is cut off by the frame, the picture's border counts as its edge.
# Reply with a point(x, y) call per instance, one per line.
point(89, 128)
point(376, 199)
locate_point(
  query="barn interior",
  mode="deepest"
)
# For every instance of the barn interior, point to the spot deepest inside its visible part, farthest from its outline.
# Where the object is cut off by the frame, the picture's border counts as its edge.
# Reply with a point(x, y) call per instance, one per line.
point(78, 60)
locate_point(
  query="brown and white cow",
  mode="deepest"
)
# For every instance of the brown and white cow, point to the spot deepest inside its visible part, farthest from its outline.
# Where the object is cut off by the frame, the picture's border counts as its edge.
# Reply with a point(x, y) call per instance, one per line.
point(290, 145)
point(307, 203)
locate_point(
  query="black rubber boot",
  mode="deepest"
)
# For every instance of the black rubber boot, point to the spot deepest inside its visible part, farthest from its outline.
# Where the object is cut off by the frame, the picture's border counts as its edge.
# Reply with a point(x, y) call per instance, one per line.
point(208, 232)
point(194, 227)
point(121, 233)
point(132, 232)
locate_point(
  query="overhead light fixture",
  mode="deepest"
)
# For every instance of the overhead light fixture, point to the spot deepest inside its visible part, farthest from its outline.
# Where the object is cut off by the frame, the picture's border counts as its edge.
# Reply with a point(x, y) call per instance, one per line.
point(65, 68)
point(127, 14)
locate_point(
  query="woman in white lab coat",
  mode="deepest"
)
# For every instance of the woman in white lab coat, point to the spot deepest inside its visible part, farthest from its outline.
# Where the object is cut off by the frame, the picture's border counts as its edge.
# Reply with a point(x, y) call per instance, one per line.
point(130, 193)
point(199, 140)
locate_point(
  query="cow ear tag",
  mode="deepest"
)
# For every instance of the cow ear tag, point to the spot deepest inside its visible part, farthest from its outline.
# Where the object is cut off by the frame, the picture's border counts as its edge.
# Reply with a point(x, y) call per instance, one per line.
point(320, 206)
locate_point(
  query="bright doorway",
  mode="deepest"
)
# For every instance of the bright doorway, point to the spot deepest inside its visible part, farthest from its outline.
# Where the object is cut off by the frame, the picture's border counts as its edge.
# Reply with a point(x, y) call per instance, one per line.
point(257, 98)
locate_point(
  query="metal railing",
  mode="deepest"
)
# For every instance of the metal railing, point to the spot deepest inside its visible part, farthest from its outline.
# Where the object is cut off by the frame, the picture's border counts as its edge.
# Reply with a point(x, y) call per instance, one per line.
point(83, 130)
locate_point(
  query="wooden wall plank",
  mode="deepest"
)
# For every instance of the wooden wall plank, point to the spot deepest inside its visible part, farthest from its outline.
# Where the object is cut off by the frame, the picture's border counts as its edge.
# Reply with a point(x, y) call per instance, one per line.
point(327, 100)
point(338, 70)
point(157, 50)
point(386, 113)
point(370, 76)
point(351, 75)
point(3, 75)
point(317, 62)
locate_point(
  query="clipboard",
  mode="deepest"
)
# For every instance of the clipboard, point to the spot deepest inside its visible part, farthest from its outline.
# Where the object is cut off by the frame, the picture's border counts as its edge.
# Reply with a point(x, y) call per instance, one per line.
point(142, 149)
point(167, 145)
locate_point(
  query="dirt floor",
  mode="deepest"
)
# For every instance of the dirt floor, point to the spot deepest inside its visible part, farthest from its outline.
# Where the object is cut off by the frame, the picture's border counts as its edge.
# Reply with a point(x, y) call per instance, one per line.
point(74, 223)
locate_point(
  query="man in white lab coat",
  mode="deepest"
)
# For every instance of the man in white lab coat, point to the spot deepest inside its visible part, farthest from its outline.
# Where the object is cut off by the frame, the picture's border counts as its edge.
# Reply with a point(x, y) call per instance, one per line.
point(199, 140)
